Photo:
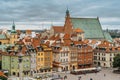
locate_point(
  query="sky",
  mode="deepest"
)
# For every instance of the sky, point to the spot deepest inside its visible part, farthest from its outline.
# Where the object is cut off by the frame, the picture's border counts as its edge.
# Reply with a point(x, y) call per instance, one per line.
point(41, 14)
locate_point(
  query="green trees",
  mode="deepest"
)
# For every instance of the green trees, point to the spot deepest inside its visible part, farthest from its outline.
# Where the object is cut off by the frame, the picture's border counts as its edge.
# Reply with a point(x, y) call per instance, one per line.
point(116, 63)
point(3, 78)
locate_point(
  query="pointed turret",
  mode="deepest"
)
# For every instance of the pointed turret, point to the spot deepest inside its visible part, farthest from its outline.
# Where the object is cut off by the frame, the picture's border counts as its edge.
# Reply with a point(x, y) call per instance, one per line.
point(13, 28)
point(67, 13)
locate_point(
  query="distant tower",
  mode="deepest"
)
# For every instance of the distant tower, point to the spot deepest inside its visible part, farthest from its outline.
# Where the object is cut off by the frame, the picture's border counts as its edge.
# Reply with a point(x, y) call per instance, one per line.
point(13, 35)
point(107, 30)
point(13, 28)
point(68, 25)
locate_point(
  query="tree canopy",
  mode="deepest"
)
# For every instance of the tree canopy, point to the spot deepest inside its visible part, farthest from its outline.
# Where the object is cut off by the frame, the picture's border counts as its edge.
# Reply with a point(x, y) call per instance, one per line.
point(116, 62)
point(3, 78)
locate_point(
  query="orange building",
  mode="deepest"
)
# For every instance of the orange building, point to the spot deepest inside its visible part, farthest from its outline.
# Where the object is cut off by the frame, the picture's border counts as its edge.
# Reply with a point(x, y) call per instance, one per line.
point(84, 54)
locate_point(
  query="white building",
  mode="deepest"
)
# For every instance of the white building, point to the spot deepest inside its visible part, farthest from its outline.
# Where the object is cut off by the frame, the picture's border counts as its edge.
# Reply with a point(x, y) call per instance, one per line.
point(104, 54)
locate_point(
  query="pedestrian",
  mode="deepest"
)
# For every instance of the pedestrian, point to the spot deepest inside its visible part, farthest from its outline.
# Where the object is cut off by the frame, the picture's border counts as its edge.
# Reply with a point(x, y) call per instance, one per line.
point(79, 78)
point(59, 76)
point(65, 77)
point(91, 79)
point(104, 75)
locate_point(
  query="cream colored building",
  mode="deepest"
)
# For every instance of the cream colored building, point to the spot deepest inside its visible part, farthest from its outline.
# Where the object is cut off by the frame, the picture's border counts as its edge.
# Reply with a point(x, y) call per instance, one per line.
point(104, 54)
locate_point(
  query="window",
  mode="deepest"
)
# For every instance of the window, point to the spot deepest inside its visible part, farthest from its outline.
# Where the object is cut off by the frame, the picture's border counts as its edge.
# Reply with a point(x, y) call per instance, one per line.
point(41, 54)
point(38, 54)
point(61, 60)
point(98, 58)
point(110, 59)
point(99, 53)
point(66, 60)
point(61, 54)
point(95, 57)
point(110, 54)
point(39, 59)
point(66, 54)
point(95, 53)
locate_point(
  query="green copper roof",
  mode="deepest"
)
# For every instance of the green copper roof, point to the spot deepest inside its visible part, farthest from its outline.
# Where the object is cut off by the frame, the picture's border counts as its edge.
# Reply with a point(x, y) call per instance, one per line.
point(13, 31)
point(2, 36)
point(91, 27)
point(108, 37)
point(2, 47)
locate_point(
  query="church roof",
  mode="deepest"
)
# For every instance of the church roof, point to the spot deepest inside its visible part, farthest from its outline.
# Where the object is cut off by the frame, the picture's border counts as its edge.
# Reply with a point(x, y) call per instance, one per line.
point(58, 29)
point(91, 27)
point(108, 37)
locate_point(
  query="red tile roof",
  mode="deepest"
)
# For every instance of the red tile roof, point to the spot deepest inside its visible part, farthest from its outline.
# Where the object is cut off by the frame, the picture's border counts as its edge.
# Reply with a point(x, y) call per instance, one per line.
point(2, 74)
point(52, 37)
point(78, 30)
point(58, 29)
point(66, 36)
point(104, 44)
point(78, 42)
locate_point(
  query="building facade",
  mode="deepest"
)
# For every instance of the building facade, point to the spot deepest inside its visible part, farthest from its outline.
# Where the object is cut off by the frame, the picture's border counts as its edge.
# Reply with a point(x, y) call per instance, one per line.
point(44, 59)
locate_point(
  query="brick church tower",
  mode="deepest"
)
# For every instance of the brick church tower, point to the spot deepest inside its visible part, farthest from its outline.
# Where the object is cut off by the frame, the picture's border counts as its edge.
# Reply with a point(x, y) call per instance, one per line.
point(68, 28)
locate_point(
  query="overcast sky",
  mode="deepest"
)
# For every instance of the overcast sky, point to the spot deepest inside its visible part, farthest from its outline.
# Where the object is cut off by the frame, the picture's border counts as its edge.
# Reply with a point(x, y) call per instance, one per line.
point(39, 14)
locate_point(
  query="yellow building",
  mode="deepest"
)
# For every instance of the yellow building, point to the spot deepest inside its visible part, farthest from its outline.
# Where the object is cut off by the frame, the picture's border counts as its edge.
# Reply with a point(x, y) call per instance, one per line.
point(44, 59)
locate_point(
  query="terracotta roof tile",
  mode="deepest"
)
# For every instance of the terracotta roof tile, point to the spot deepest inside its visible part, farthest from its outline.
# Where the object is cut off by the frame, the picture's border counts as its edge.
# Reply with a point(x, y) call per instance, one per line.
point(67, 42)
point(78, 42)
point(93, 41)
point(78, 30)
point(28, 31)
point(67, 36)
point(2, 74)
point(58, 29)
point(86, 41)
point(104, 44)
point(52, 37)
point(35, 42)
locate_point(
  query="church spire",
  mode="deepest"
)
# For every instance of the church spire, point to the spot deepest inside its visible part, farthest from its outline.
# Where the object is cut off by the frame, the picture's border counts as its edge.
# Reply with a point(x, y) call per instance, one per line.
point(67, 12)
point(13, 26)
point(68, 25)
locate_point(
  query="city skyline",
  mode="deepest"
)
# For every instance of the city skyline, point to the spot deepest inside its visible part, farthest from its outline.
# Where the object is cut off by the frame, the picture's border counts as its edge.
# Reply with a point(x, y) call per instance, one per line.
point(42, 14)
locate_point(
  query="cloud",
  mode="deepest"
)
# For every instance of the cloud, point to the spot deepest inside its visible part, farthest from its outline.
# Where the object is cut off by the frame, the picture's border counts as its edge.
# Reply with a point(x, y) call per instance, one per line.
point(110, 20)
point(54, 10)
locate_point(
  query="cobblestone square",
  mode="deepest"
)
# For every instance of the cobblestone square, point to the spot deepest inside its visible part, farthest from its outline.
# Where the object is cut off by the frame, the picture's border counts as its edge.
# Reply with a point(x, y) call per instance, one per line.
point(95, 76)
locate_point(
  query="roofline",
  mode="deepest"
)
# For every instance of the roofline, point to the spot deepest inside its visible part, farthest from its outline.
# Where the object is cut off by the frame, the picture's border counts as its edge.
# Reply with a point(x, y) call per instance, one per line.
point(83, 18)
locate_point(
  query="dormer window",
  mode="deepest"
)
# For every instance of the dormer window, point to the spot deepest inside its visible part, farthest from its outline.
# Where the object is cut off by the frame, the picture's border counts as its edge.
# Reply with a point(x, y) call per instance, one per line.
point(72, 44)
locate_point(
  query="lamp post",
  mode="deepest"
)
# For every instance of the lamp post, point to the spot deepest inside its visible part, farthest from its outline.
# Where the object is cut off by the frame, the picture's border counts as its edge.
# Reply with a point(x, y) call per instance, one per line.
point(20, 65)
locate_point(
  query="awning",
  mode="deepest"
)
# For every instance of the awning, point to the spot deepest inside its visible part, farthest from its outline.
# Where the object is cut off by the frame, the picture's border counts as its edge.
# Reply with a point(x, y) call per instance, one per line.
point(85, 69)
